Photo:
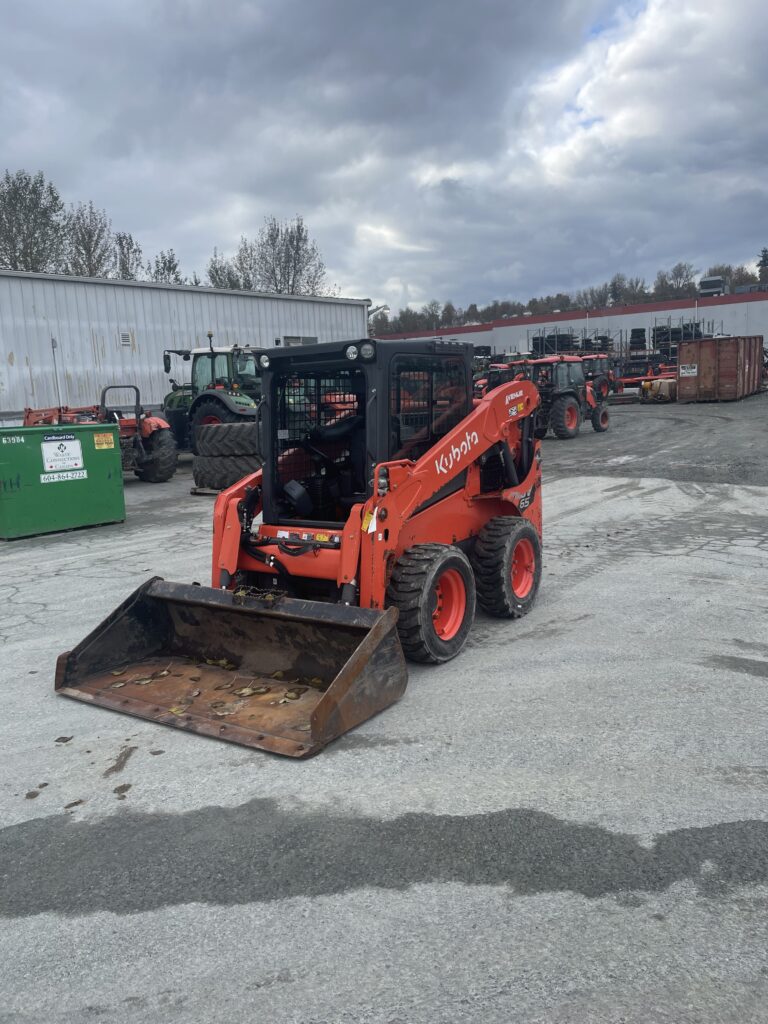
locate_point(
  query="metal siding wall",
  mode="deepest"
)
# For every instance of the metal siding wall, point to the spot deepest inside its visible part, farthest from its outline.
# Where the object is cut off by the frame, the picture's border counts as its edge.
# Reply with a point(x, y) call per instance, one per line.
point(87, 318)
point(739, 319)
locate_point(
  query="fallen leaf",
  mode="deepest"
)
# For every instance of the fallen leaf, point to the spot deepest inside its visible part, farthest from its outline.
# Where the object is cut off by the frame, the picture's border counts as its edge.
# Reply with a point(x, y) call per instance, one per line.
point(117, 672)
point(245, 691)
point(142, 682)
point(278, 674)
point(195, 693)
point(292, 695)
point(178, 710)
point(194, 679)
point(116, 686)
point(262, 689)
point(159, 675)
point(217, 704)
point(223, 686)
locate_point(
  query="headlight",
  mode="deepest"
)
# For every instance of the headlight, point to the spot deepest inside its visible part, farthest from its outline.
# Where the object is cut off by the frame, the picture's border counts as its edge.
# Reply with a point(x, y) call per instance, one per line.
point(264, 362)
point(367, 350)
point(351, 352)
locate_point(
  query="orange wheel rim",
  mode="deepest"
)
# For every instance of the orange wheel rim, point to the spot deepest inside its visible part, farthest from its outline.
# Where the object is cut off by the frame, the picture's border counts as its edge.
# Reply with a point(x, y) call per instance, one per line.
point(571, 418)
point(208, 420)
point(603, 419)
point(523, 568)
point(450, 597)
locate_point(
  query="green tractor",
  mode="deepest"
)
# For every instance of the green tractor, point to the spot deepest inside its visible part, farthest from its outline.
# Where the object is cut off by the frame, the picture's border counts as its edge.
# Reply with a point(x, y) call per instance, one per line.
point(225, 387)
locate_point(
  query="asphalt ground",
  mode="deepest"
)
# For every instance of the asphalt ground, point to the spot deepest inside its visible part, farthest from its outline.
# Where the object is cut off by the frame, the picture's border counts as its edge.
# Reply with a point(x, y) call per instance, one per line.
point(567, 823)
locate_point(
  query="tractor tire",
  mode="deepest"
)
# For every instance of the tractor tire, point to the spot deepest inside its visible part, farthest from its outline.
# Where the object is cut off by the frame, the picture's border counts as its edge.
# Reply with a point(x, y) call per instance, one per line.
point(161, 445)
point(220, 473)
point(433, 587)
point(210, 411)
point(602, 387)
point(507, 565)
point(218, 439)
point(565, 418)
point(600, 419)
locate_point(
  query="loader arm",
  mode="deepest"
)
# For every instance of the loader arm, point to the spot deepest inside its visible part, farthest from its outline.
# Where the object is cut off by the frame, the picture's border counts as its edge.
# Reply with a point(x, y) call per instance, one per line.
point(493, 420)
point(404, 487)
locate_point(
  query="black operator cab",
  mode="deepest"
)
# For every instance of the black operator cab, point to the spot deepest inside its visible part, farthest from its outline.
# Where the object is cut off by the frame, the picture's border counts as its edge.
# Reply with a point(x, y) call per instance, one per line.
point(331, 412)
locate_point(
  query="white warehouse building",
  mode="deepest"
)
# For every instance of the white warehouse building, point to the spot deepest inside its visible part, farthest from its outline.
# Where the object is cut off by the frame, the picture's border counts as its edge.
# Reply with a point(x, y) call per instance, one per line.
point(62, 339)
point(743, 314)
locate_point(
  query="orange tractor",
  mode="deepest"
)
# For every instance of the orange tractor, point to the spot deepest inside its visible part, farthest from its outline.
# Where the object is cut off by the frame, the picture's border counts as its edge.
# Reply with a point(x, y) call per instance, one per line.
point(566, 398)
point(147, 445)
point(389, 505)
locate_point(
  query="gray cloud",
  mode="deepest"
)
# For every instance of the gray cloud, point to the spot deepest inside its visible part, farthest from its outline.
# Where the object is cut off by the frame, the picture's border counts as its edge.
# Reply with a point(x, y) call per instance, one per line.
point(461, 150)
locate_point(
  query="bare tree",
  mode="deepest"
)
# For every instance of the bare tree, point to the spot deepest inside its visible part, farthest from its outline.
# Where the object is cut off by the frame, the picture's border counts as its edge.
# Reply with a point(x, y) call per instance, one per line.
point(90, 249)
point(636, 290)
point(32, 223)
point(287, 260)
point(431, 314)
point(165, 268)
point(743, 275)
point(129, 259)
point(221, 273)
point(379, 325)
point(682, 279)
point(618, 288)
point(245, 264)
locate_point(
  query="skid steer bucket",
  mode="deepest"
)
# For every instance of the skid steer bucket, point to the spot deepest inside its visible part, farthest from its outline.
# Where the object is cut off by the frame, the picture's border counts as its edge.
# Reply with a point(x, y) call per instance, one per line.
point(286, 675)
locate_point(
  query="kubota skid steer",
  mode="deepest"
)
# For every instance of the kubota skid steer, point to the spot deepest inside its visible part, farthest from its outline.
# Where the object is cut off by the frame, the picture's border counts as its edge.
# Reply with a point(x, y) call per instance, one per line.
point(388, 504)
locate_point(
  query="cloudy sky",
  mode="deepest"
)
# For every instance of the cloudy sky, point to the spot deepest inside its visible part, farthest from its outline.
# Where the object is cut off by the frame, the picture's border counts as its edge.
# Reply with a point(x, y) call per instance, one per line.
point(450, 149)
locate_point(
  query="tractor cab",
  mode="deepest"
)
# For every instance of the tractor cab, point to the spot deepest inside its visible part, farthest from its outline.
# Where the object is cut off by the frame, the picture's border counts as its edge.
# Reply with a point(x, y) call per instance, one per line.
point(597, 370)
point(224, 386)
point(332, 412)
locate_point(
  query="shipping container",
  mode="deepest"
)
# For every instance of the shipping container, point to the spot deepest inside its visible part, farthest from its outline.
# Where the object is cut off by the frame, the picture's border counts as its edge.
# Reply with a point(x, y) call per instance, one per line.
point(719, 369)
point(62, 339)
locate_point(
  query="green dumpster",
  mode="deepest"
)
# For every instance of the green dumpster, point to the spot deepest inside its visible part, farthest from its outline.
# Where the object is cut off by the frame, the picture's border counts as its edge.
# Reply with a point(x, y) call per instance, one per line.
point(59, 478)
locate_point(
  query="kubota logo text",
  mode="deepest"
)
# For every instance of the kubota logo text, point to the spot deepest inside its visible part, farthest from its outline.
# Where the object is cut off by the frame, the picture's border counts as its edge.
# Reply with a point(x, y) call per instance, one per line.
point(446, 462)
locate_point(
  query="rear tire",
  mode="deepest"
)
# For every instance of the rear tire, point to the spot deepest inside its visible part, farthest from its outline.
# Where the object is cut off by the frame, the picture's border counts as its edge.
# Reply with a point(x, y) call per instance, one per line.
point(161, 445)
point(566, 418)
point(209, 411)
point(600, 419)
point(507, 564)
point(219, 439)
point(220, 473)
point(433, 588)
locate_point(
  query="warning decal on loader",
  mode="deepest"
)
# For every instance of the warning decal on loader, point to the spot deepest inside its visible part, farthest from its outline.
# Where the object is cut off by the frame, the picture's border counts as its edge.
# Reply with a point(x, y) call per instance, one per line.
point(104, 440)
point(61, 452)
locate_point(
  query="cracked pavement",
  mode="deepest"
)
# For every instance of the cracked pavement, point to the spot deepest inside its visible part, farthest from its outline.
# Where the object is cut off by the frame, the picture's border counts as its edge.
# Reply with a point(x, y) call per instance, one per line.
point(568, 823)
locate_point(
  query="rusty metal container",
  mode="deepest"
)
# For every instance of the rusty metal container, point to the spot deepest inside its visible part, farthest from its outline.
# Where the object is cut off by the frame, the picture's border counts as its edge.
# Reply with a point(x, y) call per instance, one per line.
point(284, 675)
point(719, 369)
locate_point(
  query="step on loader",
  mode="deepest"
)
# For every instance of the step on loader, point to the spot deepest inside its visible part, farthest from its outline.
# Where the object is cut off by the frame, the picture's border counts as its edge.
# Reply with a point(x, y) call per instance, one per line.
point(389, 504)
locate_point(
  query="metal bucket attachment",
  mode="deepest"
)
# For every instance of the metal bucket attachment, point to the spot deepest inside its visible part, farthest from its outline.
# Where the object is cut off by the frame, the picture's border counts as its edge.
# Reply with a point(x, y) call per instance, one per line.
point(285, 675)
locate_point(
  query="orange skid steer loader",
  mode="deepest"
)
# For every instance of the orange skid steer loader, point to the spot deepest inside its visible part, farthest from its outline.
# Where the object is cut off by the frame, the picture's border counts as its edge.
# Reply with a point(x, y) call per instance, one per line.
point(388, 505)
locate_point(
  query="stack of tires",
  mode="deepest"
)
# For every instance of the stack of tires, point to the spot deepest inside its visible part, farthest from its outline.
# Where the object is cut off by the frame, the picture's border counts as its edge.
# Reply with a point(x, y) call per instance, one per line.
point(226, 452)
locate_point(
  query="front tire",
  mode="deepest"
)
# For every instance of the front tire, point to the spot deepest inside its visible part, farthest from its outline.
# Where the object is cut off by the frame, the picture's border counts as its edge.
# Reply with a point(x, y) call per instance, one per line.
point(600, 419)
point(507, 564)
point(433, 588)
